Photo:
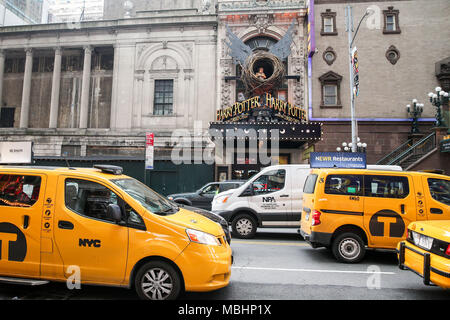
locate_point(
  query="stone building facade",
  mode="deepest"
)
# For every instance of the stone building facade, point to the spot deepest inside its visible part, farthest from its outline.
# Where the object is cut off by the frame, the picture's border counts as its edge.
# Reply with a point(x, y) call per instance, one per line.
point(88, 90)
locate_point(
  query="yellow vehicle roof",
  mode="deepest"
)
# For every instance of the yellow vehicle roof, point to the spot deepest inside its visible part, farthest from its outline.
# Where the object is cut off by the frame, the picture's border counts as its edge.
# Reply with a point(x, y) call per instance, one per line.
point(87, 172)
point(372, 171)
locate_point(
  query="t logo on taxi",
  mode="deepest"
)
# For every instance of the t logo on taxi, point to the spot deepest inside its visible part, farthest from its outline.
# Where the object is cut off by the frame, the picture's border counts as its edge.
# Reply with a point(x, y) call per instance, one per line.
point(387, 223)
point(13, 244)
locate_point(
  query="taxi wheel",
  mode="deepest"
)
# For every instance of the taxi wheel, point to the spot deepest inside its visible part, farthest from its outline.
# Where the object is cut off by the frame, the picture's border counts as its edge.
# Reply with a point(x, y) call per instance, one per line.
point(244, 226)
point(157, 280)
point(348, 248)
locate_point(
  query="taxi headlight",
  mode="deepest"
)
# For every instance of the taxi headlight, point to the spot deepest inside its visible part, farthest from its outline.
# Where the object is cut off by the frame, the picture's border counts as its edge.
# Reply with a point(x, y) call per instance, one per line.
point(202, 237)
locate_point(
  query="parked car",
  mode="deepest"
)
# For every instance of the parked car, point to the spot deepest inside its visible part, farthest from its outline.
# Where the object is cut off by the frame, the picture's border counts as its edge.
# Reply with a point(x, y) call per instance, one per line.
point(115, 230)
point(203, 197)
point(426, 252)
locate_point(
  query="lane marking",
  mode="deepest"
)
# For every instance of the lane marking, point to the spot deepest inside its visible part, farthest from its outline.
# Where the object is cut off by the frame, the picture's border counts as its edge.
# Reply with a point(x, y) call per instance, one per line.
point(313, 270)
point(302, 244)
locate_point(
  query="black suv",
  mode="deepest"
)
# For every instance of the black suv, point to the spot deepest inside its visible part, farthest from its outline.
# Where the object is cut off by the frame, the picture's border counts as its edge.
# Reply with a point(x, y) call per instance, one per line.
point(203, 197)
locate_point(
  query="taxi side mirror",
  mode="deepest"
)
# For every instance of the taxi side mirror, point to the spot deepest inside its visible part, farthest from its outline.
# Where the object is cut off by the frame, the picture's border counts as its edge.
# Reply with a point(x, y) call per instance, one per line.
point(115, 212)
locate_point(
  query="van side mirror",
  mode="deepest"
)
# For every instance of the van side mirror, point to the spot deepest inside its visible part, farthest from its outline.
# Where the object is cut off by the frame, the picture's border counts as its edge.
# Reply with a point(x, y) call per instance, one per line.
point(248, 192)
point(114, 212)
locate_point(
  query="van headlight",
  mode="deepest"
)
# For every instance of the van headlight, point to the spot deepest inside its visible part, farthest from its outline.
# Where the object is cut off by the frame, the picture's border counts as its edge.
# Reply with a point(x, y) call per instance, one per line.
point(202, 237)
point(221, 199)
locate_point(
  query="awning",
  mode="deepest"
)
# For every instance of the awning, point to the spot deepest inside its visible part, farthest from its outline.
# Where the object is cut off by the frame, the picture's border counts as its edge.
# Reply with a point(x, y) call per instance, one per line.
point(287, 133)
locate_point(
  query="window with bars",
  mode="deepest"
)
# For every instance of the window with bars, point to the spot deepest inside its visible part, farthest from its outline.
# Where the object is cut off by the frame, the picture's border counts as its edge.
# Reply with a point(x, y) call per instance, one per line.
point(328, 24)
point(330, 85)
point(330, 95)
point(391, 21)
point(163, 101)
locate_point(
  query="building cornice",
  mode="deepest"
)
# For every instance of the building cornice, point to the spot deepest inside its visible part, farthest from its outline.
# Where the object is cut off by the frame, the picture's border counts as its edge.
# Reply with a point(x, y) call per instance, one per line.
point(108, 25)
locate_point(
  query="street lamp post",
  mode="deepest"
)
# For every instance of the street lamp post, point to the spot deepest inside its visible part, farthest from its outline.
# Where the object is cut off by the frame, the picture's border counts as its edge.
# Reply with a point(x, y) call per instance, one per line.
point(415, 111)
point(351, 39)
point(437, 100)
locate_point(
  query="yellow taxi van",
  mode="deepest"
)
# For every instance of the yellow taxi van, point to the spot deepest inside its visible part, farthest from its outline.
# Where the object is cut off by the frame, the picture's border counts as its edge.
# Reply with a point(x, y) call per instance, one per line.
point(111, 228)
point(426, 252)
point(347, 210)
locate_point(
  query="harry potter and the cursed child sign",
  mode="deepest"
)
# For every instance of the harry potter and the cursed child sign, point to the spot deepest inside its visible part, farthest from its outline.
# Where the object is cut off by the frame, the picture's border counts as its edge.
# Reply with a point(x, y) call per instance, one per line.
point(263, 72)
point(267, 109)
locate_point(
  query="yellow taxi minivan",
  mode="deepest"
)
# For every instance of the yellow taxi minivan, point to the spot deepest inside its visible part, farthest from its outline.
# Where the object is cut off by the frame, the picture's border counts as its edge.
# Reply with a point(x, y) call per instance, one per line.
point(111, 228)
point(426, 252)
point(347, 210)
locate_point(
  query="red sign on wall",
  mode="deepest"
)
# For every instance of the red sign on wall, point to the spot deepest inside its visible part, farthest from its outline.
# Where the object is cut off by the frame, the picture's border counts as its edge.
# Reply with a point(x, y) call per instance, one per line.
point(149, 149)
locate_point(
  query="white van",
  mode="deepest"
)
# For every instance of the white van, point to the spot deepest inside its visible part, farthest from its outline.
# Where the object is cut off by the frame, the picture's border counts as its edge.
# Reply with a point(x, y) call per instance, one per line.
point(271, 199)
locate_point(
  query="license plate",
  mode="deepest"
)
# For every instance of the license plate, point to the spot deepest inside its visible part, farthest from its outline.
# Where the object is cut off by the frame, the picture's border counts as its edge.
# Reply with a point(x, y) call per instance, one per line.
point(422, 241)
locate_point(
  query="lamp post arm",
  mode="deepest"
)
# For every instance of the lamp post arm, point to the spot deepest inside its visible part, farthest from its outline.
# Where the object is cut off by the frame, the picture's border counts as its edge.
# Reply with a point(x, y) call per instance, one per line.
point(357, 29)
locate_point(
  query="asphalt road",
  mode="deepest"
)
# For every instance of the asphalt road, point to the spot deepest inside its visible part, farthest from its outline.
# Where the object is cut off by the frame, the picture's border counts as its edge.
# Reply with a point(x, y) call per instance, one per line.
point(277, 265)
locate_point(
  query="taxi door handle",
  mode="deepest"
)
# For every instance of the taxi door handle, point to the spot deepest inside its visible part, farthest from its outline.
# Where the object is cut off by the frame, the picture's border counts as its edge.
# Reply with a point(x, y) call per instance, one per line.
point(26, 221)
point(402, 208)
point(65, 225)
point(436, 211)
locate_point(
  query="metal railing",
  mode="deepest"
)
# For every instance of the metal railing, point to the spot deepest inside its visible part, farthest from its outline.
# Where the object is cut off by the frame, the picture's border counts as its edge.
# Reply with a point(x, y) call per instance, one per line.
point(406, 150)
point(394, 154)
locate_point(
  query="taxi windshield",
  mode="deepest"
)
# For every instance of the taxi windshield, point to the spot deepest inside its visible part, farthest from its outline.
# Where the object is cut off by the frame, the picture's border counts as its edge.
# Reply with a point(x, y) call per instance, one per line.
point(148, 198)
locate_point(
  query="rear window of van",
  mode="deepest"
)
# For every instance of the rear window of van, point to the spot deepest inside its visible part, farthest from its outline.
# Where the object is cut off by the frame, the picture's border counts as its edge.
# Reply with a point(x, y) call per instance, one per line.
point(310, 183)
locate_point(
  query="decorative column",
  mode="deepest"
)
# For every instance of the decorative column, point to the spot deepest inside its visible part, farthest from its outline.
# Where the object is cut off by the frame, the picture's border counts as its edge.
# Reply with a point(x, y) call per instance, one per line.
point(56, 85)
point(2, 70)
point(85, 87)
point(26, 91)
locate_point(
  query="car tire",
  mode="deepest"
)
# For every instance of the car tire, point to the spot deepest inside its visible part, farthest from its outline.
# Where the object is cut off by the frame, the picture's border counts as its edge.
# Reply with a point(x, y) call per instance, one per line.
point(243, 226)
point(157, 280)
point(348, 248)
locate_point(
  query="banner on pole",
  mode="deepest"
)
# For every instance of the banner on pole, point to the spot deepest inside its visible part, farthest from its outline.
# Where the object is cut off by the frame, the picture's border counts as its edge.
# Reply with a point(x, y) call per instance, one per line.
point(355, 65)
point(149, 150)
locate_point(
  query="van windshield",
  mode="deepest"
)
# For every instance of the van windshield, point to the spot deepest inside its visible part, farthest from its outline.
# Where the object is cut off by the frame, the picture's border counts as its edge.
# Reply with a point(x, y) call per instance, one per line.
point(149, 199)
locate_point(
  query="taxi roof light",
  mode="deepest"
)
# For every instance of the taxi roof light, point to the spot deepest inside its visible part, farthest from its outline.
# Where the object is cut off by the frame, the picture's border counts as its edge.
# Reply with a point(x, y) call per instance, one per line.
point(106, 168)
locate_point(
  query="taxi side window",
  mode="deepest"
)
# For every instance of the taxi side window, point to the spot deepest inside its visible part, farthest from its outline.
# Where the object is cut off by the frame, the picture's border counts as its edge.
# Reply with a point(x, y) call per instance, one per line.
point(89, 199)
point(19, 190)
point(272, 181)
point(310, 184)
point(386, 186)
point(344, 184)
point(440, 190)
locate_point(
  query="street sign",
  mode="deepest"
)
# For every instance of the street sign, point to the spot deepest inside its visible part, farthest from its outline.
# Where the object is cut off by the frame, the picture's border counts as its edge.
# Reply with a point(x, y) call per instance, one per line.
point(348, 160)
point(445, 144)
point(16, 152)
point(149, 150)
